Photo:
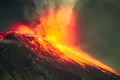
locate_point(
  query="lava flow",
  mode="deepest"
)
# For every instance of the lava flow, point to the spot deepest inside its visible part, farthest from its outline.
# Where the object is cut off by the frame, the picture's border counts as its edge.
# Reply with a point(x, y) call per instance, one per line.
point(47, 41)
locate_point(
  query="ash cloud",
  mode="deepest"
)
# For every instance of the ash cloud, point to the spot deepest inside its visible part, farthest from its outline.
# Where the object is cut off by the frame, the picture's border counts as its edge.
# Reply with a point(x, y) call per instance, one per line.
point(43, 5)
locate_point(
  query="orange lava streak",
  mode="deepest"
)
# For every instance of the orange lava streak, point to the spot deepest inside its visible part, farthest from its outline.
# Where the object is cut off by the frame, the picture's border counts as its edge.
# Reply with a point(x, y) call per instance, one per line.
point(66, 54)
point(83, 59)
point(55, 27)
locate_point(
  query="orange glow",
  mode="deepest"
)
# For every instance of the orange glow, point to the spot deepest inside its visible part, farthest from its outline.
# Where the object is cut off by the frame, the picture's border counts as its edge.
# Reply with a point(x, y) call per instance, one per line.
point(65, 54)
point(58, 26)
point(83, 59)
point(23, 28)
point(57, 29)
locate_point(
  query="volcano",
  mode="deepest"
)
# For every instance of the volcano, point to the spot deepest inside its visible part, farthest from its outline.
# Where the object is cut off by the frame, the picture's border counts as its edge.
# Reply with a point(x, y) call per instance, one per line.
point(28, 57)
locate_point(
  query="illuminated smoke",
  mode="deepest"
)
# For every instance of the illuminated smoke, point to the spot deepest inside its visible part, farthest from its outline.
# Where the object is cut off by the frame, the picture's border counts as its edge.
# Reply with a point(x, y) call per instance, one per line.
point(57, 21)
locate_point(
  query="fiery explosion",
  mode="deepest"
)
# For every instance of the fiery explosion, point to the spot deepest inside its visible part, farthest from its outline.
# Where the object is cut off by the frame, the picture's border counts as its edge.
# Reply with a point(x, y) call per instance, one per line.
point(52, 35)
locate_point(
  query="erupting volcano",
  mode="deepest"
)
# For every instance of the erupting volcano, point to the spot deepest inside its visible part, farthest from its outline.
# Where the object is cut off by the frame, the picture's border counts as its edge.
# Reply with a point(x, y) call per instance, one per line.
point(51, 42)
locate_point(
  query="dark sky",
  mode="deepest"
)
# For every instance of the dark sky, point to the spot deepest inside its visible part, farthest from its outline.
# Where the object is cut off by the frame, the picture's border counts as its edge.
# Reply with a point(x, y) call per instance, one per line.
point(14, 11)
point(101, 30)
point(100, 25)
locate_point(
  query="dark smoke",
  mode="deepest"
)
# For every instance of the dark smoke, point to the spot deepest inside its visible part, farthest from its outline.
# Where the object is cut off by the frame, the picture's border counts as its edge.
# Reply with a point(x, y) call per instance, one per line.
point(16, 11)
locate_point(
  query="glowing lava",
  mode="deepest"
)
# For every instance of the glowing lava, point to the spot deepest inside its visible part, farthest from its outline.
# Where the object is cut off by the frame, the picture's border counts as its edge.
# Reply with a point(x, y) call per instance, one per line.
point(49, 36)
point(58, 26)
point(57, 55)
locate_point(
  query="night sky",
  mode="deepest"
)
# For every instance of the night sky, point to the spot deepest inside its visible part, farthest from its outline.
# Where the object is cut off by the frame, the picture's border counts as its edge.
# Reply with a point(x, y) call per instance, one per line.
point(101, 30)
point(99, 21)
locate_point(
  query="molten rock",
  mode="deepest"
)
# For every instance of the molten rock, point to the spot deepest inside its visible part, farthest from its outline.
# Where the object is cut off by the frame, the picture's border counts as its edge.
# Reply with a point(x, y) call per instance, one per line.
point(27, 57)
